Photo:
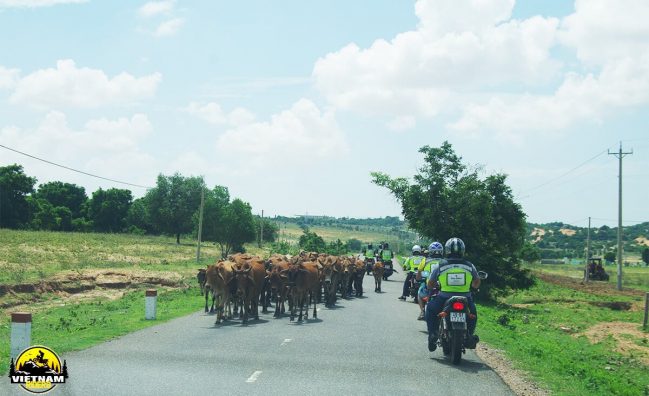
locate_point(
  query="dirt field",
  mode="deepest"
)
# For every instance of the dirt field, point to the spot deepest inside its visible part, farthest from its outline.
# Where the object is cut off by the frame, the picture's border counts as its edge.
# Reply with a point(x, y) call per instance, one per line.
point(86, 284)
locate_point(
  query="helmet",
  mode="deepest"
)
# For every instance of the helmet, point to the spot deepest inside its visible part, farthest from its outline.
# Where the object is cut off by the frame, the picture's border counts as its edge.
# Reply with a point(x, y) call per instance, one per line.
point(416, 249)
point(436, 248)
point(385, 245)
point(454, 247)
point(369, 246)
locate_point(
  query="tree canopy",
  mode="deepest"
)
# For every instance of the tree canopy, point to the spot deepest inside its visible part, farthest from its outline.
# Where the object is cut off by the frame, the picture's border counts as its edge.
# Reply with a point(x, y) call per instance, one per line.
point(173, 202)
point(15, 186)
point(108, 209)
point(448, 198)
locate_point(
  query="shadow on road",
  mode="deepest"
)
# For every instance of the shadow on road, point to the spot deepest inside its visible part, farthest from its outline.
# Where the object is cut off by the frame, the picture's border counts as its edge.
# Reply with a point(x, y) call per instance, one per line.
point(306, 321)
point(466, 366)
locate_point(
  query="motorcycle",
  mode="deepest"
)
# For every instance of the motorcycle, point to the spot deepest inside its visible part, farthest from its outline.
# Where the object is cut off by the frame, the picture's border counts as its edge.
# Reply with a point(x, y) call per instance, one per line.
point(388, 269)
point(414, 285)
point(369, 264)
point(454, 337)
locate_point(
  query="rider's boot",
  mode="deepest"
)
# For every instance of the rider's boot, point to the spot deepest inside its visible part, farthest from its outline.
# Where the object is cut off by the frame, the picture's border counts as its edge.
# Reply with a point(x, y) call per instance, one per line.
point(432, 342)
point(471, 341)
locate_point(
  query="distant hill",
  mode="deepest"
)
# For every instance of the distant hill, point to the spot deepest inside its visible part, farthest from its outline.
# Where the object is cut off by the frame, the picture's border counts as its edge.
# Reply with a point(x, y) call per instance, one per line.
point(558, 240)
point(555, 240)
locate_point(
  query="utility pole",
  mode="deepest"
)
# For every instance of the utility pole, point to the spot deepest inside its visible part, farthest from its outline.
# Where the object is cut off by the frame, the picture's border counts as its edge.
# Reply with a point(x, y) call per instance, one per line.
point(587, 251)
point(200, 226)
point(619, 155)
point(261, 229)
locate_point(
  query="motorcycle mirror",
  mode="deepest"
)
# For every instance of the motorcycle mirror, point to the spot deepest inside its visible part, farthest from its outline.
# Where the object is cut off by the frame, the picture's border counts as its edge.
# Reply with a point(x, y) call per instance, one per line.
point(482, 275)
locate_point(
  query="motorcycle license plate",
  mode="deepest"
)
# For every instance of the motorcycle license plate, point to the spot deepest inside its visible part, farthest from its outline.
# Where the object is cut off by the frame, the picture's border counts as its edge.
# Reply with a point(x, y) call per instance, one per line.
point(458, 317)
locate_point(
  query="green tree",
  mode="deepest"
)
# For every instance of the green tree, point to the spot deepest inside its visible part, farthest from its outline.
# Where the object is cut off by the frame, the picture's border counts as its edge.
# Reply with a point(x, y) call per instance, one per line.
point(66, 195)
point(530, 253)
point(238, 227)
point(449, 199)
point(215, 205)
point(354, 245)
point(645, 256)
point(336, 247)
point(137, 218)
point(15, 186)
point(108, 209)
point(610, 257)
point(311, 242)
point(270, 229)
point(173, 203)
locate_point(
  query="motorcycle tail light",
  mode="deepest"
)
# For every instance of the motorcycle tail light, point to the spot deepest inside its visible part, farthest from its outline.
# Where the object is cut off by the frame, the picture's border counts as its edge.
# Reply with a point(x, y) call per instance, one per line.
point(458, 306)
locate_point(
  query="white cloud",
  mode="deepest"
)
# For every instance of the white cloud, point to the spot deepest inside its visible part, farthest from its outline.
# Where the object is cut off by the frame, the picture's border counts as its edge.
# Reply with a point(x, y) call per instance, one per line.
point(109, 148)
point(602, 30)
point(212, 113)
point(295, 136)
point(402, 123)
point(8, 77)
point(460, 47)
point(69, 86)
point(611, 34)
point(153, 8)
point(36, 3)
point(169, 28)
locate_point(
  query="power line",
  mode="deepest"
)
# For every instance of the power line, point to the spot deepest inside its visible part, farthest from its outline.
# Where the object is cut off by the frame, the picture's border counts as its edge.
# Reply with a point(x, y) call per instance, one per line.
point(74, 170)
point(624, 221)
point(563, 174)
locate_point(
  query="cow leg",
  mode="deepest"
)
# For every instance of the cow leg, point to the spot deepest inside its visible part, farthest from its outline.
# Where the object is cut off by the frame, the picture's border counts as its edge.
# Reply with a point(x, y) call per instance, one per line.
point(207, 296)
point(276, 314)
point(315, 311)
point(299, 319)
point(213, 298)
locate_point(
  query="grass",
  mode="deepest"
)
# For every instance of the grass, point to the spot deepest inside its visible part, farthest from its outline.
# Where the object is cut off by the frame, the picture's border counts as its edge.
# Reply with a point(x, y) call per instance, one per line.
point(33, 255)
point(77, 326)
point(541, 331)
point(292, 232)
point(632, 277)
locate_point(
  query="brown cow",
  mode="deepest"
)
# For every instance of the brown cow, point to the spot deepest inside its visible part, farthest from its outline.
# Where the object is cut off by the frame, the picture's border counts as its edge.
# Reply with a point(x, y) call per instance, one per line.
point(278, 284)
point(219, 278)
point(331, 274)
point(347, 277)
point(201, 277)
point(359, 274)
point(377, 270)
point(250, 281)
point(303, 279)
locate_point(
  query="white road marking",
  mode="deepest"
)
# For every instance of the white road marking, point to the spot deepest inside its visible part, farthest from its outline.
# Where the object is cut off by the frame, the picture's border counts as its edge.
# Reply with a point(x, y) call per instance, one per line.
point(286, 341)
point(253, 377)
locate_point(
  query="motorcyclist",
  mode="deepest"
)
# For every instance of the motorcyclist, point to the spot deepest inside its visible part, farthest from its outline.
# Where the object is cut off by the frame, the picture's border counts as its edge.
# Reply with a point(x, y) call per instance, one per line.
point(369, 254)
point(410, 266)
point(435, 253)
point(386, 256)
point(464, 277)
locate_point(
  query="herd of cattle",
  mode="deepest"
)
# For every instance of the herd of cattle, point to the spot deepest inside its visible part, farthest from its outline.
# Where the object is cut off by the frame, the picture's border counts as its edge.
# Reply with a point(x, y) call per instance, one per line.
point(242, 282)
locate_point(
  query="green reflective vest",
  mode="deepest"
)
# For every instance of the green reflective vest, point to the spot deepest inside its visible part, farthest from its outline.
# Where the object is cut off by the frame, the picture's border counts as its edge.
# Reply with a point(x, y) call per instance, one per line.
point(386, 255)
point(455, 278)
point(425, 267)
point(414, 262)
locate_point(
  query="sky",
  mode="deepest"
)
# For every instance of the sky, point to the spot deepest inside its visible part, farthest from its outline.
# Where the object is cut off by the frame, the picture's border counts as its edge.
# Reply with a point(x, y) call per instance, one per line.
point(291, 104)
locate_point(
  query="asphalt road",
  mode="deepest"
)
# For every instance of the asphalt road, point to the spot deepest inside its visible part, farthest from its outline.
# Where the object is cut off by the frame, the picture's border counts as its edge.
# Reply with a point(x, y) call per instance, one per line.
point(365, 346)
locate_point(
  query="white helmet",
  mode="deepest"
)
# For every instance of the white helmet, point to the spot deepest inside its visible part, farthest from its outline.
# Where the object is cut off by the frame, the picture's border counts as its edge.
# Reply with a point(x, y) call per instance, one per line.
point(416, 249)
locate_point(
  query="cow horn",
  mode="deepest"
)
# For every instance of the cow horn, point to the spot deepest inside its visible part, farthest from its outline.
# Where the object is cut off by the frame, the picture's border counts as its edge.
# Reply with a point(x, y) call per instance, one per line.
point(246, 270)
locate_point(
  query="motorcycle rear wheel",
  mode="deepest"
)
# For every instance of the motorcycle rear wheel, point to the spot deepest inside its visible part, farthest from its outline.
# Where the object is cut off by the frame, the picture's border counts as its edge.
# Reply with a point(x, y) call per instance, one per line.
point(457, 342)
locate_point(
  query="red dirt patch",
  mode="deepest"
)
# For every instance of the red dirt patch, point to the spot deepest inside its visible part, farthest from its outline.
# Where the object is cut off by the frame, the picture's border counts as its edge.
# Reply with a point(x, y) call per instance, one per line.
point(598, 288)
point(87, 284)
point(624, 335)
